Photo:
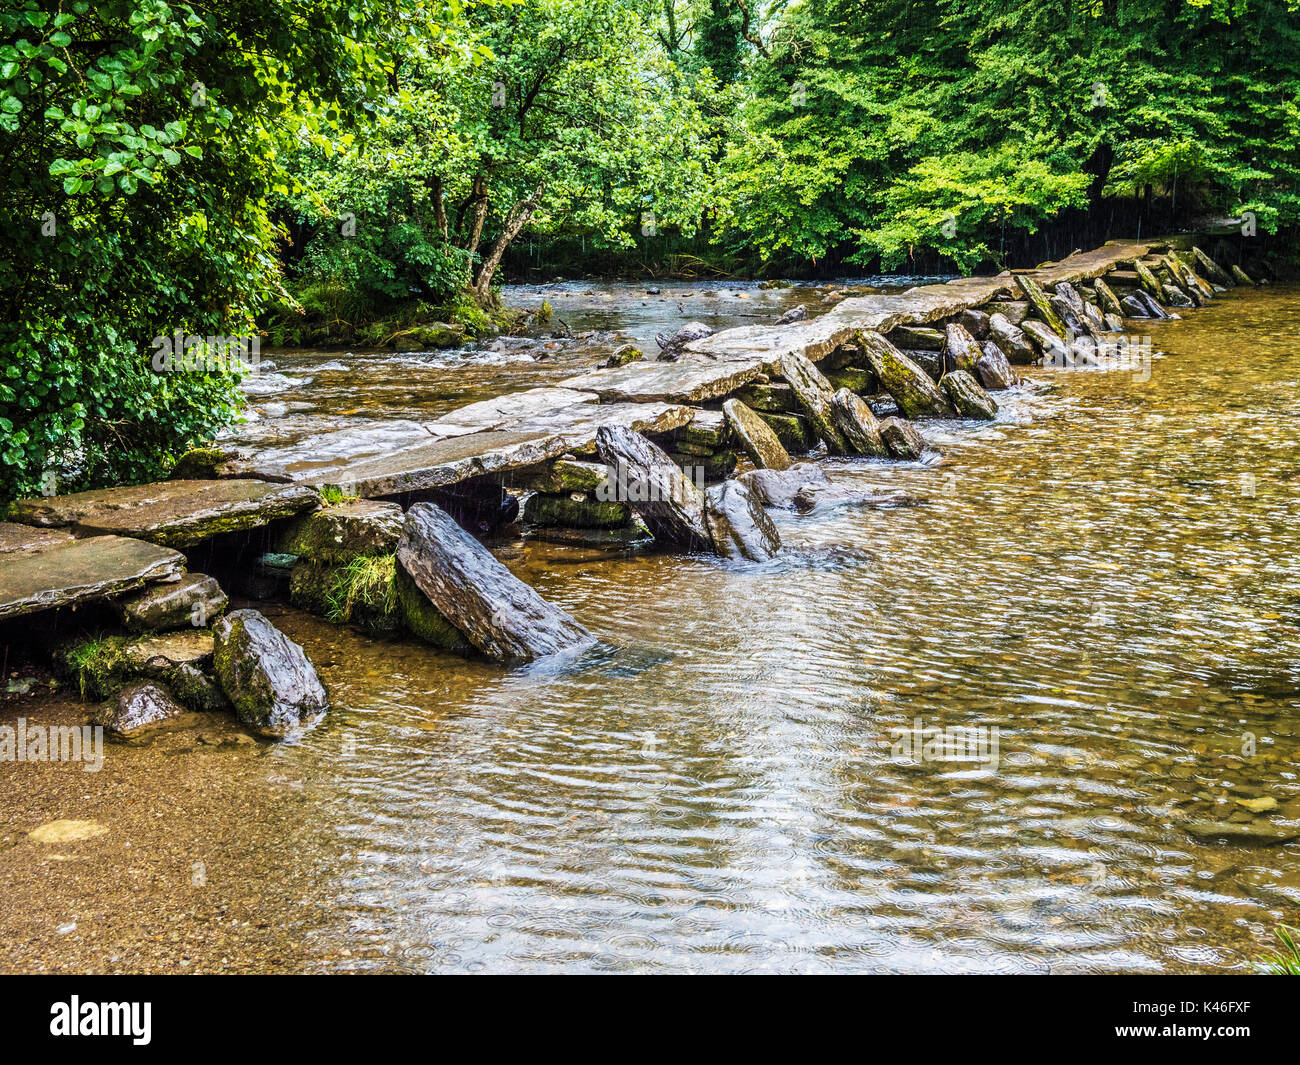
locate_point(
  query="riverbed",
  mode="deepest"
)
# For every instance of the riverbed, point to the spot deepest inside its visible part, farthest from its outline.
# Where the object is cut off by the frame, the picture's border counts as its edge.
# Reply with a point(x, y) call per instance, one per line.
point(1108, 575)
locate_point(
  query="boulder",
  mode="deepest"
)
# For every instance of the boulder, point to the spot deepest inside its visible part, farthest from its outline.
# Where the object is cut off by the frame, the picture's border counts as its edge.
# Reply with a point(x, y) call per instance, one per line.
point(1147, 279)
point(1115, 323)
point(1071, 296)
point(813, 496)
point(975, 322)
point(961, 349)
point(194, 601)
point(424, 620)
point(794, 314)
point(501, 615)
point(738, 524)
point(902, 439)
point(1073, 323)
point(196, 691)
point(857, 379)
point(1212, 269)
point(101, 667)
point(647, 478)
point(777, 488)
point(1050, 344)
point(1014, 311)
point(268, 677)
point(340, 534)
point(621, 356)
point(814, 393)
point(968, 397)
point(916, 394)
point(1175, 296)
point(1107, 298)
point(138, 707)
point(1094, 319)
point(933, 363)
point(857, 425)
point(707, 428)
point(769, 398)
point(1240, 276)
point(671, 347)
point(759, 442)
point(1036, 296)
point(1012, 340)
point(994, 370)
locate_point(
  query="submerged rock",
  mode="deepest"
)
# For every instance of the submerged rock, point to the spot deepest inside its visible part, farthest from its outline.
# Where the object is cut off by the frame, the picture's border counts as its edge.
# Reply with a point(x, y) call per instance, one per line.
point(621, 356)
point(777, 488)
point(857, 424)
point(1175, 296)
point(195, 600)
point(794, 314)
point(1240, 276)
point(739, 525)
point(968, 397)
point(760, 443)
point(501, 615)
point(137, 707)
point(916, 394)
point(268, 677)
point(1012, 340)
point(902, 439)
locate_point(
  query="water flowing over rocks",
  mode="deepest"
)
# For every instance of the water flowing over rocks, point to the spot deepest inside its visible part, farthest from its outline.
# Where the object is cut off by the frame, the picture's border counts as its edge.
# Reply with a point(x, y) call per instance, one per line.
point(778, 488)
point(902, 439)
point(500, 615)
point(266, 676)
point(968, 397)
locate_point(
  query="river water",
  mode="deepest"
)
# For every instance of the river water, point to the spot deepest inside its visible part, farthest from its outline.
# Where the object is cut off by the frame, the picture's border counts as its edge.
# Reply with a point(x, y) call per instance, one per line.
point(1107, 576)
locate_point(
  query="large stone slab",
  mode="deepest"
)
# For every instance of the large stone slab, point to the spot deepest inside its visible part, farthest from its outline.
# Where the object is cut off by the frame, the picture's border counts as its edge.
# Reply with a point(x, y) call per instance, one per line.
point(645, 477)
point(685, 381)
point(501, 615)
point(15, 537)
point(78, 571)
point(917, 395)
point(814, 393)
point(171, 513)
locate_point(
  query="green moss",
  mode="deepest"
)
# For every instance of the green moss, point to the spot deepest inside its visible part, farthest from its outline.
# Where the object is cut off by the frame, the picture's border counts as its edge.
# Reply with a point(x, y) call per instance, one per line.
point(198, 463)
point(424, 620)
point(95, 665)
point(544, 313)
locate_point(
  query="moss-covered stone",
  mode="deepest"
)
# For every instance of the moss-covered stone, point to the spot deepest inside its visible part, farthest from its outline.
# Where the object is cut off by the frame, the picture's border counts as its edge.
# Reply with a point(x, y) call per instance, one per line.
point(100, 667)
point(769, 398)
point(339, 534)
point(791, 429)
point(717, 467)
point(362, 592)
point(582, 512)
point(1042, 304)
point(856, 379)
point(424, 620)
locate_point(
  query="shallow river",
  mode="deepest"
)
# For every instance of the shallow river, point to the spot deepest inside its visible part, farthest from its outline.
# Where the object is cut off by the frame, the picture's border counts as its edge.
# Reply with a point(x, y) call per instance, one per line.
point(1108, 576)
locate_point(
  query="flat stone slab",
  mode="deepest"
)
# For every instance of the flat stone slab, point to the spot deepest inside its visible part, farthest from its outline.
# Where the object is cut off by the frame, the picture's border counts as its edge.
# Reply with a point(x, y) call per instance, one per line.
point(78, 571)
point(685, 381)
point(171, 513)
point(439, 463)
point(14, 537)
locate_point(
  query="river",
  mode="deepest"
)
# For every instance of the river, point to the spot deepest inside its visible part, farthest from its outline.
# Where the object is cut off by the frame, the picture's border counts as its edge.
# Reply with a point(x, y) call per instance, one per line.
point(1107, 575)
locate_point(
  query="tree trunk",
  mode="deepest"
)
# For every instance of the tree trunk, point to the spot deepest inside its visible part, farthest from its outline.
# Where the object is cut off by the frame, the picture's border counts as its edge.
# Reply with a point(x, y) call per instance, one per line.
point(520, 215)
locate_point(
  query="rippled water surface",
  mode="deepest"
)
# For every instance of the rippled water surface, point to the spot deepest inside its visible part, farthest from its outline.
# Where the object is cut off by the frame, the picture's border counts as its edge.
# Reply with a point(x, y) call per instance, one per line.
point(1108, 575)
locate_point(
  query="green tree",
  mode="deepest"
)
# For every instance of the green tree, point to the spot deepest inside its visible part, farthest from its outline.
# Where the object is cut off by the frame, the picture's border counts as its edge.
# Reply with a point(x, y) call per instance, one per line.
point(140, 143)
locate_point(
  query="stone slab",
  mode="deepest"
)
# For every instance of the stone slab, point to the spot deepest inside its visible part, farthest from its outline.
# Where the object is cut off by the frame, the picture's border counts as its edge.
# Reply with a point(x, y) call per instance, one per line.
point(78, 571)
